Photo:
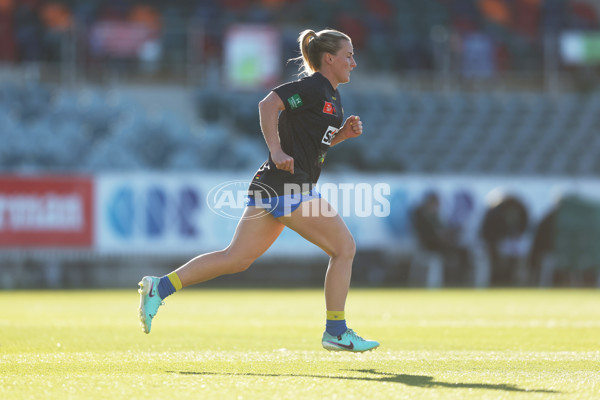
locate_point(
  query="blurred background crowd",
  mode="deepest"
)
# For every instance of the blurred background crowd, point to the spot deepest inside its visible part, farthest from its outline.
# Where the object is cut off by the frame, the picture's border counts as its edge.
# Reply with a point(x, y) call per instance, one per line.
point(389, 35)
point(461, 87)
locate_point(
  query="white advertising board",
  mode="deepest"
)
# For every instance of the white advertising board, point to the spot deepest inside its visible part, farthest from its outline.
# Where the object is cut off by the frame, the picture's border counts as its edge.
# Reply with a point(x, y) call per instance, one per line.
point(198, 212)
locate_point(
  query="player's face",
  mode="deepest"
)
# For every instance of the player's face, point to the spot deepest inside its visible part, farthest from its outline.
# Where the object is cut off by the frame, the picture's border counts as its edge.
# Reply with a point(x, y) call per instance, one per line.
point(343, 62)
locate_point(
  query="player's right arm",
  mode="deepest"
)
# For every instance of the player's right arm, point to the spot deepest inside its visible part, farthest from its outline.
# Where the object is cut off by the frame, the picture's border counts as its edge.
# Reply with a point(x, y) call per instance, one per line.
point(268, 111)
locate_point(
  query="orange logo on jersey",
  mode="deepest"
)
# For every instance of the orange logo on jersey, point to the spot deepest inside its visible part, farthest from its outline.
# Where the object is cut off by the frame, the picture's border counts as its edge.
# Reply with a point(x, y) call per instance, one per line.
point(329, 108)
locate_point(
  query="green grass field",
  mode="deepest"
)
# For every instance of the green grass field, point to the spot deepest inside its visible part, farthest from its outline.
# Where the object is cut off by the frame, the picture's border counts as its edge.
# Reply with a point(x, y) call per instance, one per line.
point(265, 344)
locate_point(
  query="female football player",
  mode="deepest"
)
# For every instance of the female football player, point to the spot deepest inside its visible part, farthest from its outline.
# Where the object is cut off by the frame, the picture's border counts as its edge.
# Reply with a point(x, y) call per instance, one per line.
point(300, 120)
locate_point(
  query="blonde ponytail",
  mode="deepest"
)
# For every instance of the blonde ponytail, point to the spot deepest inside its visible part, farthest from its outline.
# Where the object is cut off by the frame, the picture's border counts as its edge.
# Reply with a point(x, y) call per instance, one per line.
point(305, 39)
point(314, 44)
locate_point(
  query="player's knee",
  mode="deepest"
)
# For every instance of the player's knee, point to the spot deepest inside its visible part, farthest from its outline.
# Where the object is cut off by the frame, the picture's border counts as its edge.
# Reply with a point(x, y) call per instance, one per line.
point(346, 249)
point(241, 265)
point(238, 262)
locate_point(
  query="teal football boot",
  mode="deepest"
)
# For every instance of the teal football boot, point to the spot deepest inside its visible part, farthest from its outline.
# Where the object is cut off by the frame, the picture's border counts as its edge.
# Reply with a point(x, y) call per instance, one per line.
point(347, 341)
point(149, 301)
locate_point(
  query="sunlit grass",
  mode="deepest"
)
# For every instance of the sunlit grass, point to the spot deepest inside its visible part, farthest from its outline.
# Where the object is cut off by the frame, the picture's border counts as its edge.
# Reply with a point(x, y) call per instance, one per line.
point(265, 344)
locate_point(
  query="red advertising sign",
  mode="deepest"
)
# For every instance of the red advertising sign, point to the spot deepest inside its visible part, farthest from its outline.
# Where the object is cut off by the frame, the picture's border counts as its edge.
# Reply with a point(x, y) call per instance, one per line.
point(46, 211)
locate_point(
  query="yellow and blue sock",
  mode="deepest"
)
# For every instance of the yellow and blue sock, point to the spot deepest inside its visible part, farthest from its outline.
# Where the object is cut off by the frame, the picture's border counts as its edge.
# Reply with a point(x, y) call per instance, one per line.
point(168, 285)
point(336, 323)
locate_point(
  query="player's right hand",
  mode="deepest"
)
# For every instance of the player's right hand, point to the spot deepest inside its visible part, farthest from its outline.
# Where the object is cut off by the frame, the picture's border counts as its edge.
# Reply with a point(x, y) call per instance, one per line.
point(283, 161)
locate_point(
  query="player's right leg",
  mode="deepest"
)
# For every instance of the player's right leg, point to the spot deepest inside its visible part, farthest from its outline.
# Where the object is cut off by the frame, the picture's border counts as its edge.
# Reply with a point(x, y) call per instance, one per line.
point(254, 234)
point(319, 223)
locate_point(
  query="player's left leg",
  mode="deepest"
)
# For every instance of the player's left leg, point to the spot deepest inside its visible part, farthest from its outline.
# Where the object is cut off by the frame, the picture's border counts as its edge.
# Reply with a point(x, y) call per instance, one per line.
point(319, 223)
point(254, 234)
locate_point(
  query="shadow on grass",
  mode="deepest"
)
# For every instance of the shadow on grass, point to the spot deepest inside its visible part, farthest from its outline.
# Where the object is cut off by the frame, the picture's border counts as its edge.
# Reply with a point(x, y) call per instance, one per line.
point(409, 380)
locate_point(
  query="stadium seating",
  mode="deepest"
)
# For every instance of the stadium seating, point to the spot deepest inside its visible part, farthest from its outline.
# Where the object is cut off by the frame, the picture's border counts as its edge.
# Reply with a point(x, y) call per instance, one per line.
point(437, 132)
point(422, 132)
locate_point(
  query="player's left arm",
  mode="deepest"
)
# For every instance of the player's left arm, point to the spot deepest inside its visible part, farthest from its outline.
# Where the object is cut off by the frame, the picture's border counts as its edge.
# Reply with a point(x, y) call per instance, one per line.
point(352, 128)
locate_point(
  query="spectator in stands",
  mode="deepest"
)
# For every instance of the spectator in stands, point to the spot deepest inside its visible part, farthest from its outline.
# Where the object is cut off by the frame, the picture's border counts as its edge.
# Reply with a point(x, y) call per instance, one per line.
point(428, 225)
point(8, 50)
point(28, 30)
point(478, 56)
point(57, 20)
point(496, 11)
point(150, 52)
point(432, 241)
point(543, 245)
point(526, 15)
point(460, 266)
point(354, 25)
point(441, 247)
point(502, 230)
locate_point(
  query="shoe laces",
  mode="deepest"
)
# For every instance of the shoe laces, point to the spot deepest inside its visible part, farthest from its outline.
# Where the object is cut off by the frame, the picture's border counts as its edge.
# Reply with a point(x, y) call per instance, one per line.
point(350, 332)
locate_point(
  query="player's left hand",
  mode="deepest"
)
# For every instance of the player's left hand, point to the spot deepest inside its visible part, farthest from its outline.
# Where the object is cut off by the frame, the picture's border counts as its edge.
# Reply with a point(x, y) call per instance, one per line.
point(352, 127)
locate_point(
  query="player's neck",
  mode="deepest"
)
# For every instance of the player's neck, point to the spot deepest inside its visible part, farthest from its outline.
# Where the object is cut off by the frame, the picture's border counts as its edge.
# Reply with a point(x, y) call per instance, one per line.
point(327, 73)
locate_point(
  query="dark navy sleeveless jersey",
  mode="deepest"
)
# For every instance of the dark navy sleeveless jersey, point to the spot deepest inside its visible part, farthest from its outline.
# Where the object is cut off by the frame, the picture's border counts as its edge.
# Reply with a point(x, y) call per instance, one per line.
point(313, 114)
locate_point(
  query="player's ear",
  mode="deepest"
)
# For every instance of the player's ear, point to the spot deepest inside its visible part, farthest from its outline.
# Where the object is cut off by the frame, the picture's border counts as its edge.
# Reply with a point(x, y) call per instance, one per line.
point(328, 58)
